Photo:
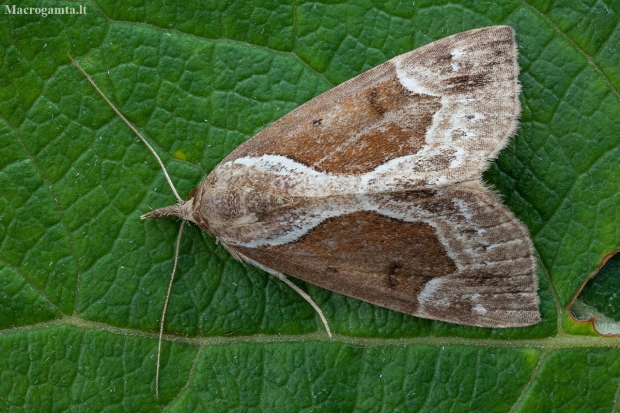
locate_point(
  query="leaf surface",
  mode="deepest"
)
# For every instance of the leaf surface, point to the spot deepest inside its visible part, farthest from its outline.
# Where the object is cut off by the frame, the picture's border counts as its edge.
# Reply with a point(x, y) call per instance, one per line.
point(83, 279)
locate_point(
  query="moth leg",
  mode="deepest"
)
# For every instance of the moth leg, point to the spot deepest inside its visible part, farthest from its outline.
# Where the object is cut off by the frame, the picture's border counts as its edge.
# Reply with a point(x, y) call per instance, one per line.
point(298, 290)
point(306, 297)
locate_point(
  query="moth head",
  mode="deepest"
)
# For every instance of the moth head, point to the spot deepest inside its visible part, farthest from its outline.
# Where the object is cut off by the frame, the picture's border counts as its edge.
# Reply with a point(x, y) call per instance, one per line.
point(183, 209)
point(197, 209)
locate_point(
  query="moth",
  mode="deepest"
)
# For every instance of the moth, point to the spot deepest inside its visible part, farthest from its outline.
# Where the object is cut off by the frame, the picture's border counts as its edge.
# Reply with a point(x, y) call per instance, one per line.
point(373, 189)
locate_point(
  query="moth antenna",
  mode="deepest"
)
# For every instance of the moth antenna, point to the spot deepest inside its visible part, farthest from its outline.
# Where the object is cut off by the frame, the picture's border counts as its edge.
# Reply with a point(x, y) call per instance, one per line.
point(176, 194)
point(120, 115)
point(163, 313)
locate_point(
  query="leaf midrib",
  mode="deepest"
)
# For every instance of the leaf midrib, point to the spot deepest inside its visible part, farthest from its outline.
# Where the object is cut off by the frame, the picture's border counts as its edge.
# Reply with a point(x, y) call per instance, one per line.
point(559, 341)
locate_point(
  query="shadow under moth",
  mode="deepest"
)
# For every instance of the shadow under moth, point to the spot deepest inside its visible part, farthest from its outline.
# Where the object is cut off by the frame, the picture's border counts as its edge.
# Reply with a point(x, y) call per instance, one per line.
point(374, 190)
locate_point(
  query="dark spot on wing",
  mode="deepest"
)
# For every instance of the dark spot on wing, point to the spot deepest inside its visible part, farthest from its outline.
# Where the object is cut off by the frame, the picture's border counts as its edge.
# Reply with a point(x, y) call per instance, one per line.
point(331, 269)
point(465, 83)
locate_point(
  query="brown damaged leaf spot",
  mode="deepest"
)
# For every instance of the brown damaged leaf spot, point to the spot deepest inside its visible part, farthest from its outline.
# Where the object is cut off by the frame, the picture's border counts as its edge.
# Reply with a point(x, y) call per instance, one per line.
point(591, 320)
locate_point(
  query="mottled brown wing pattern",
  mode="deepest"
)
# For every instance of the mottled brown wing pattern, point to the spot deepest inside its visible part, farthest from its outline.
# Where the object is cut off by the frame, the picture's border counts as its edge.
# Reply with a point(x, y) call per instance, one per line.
point(374, 189)
point(456, 256)
point(445, 109)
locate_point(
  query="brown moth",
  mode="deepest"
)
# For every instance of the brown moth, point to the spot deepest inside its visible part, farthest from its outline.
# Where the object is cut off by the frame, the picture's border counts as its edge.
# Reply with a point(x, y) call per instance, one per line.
point(373, 189)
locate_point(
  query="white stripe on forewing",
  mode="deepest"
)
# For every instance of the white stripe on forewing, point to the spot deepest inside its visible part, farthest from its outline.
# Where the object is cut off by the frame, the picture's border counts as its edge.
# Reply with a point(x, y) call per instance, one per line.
point(312, 218)
point(304, 181)
point(301, 180)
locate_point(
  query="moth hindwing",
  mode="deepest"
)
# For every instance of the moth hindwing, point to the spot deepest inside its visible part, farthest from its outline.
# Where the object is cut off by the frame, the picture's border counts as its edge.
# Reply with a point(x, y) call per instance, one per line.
point(373, 189)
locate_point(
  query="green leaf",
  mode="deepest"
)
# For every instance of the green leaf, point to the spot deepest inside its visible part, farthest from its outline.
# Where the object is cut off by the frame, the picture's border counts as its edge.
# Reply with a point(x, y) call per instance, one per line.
point(83, 279)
